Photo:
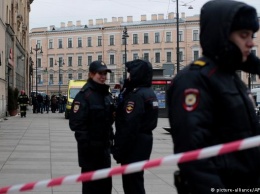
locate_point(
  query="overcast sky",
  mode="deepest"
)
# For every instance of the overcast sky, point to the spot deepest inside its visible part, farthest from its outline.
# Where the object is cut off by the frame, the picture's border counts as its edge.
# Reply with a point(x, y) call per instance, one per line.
point(52, 12)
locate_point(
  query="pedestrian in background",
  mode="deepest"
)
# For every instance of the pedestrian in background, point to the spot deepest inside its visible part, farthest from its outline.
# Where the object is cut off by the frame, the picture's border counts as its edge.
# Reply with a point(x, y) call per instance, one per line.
point(23, 101)
point(47, 103)
point(209, 104)
point(34, 103)
point(53, 103)
point(91, 118)
point(136, 117)
point(40, 103)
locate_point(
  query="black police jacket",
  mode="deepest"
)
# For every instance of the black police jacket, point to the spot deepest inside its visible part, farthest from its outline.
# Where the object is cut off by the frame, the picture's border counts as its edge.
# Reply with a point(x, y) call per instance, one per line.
point(209, 106)
point(91, 118)
point(137, 114)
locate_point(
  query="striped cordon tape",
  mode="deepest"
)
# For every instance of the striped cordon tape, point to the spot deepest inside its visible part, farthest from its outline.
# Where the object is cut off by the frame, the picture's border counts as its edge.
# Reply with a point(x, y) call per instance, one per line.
point(138, 166)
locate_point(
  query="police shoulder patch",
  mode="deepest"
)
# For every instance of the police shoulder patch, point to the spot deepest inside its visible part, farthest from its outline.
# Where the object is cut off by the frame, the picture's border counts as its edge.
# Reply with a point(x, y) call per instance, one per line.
point(76, 106)
point(199, 63)
point(191, 99)
point(130, 107)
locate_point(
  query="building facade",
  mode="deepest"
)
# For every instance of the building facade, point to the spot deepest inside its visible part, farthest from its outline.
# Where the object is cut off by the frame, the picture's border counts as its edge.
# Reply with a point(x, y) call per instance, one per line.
point(65, 52)
point(14, 41)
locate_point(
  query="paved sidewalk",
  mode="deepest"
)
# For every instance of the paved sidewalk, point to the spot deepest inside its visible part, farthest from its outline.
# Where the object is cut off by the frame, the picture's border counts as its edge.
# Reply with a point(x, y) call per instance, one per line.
point(41, 146)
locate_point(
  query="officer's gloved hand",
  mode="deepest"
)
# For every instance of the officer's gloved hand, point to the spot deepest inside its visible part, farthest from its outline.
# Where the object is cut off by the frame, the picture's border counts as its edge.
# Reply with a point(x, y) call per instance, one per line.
point(116, 154)
point(251, 65)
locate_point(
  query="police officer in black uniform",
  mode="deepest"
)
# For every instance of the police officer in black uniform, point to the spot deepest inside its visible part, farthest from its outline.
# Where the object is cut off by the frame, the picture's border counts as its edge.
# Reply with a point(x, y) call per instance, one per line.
point(92, 117)
point(209, 104)
point(136, 117)
point(23, 101)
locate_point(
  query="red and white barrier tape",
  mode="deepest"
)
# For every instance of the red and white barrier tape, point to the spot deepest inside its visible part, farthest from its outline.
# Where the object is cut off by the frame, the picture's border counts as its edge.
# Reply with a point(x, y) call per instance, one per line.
point(138, 166)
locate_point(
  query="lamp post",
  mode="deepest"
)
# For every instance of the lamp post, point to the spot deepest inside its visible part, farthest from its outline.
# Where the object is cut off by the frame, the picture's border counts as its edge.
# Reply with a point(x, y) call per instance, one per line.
point(36, 49)
point(59, 62)
point(31, 76)
point(124, 37)
point(249, 81)
point(177, 38)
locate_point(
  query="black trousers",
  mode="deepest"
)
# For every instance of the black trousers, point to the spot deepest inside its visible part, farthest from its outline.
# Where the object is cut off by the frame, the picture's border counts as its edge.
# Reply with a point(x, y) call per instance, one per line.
point(98, 161)
point(134, 183)
point(23, 110)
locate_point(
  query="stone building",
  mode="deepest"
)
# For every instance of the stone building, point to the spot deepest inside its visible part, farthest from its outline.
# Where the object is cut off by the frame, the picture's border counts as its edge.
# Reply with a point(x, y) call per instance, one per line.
point(68, 49)
point(14, 34)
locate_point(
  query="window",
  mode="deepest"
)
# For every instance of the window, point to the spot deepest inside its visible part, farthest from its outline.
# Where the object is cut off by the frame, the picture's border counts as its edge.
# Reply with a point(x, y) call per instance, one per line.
point(38, 79)
point(124, 58)
point(168, 37)
point(124, 41)
point(60, 81)
point(89, 60)
point(111, 40)
point(99, 57)
point(146, 38)
point(168, 56)
point(157, 37)
point(135, 38)
point(181, 36)
point(195, 35)
point(112, 59)
point(51, 79)
point(112, 77)
point(79, 60)
point(99, 40)
point(195, 55)
point(146, 56)
point(135, 56)
point(79, 42)
point(69, 61)
point(79, 75)
point(39, 62)
point(89, 42)
point(60, 43)
point(70, 76)
point(181, 57)
point(50, 62)
point(60, 61)
point(39, 44)
point(157, 57)
point(50, 44)
point(69, 42)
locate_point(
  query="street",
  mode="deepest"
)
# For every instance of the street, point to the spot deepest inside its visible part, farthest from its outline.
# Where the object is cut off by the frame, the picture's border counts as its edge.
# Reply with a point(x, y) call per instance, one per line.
point(42, 146)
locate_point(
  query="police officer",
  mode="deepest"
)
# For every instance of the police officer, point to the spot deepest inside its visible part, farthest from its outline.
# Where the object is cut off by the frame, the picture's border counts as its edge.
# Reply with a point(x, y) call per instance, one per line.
point(209, 104)
point(23, 101)
point(136, 117)
point(91, 117)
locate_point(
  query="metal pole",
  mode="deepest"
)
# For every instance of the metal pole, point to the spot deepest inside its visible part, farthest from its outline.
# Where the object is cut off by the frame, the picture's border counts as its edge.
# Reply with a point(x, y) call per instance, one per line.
point(32, 78)
point(59, 76)
point(177, 25)
point(36, 51)
point(249, 81)
point(125, 59)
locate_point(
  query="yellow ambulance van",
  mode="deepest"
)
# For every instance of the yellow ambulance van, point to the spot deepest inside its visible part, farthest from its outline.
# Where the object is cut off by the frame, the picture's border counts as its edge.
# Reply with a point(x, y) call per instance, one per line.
point(73, 88)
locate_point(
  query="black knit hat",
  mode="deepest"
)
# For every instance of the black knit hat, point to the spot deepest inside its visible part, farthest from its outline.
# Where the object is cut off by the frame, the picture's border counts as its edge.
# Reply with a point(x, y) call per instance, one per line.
point(245, 19)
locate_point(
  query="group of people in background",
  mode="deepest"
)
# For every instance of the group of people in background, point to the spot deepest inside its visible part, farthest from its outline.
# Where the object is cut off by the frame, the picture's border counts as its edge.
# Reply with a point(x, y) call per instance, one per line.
point(44, 103)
